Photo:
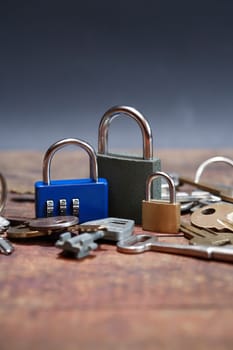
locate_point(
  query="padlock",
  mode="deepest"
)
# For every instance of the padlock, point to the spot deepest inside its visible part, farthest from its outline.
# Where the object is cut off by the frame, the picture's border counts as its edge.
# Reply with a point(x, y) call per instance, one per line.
point(159, 215)
point(85, 198)
point(126, 175)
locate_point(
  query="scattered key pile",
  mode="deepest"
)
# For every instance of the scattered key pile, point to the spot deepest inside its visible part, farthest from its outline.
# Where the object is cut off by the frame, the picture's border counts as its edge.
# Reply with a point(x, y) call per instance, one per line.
point(73, 239)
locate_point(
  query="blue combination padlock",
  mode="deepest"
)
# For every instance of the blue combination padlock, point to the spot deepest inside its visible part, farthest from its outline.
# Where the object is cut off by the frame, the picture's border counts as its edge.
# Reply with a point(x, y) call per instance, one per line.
point(85, 198)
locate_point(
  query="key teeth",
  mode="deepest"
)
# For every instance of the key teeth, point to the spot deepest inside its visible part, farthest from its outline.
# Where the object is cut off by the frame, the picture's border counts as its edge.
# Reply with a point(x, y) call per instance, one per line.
point(205, 236)
point(80, 246)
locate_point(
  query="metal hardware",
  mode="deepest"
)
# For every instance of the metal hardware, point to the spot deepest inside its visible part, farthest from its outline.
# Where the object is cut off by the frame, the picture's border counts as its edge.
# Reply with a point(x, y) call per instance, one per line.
point(79, 246)
point(49, 207)
point(3, 193)
point(62, 206)
point(158, 215)
point(116, 229)
point(53, 223)
point(62, 143)
point(85, 198)
point(142, 243)
point(128, 183)
point(206, 187)
point(213, 216)
point(201, 236)
point(211, 160)
point(111, 114)
point(6, 247)
point(23, 231)
point(75, 206)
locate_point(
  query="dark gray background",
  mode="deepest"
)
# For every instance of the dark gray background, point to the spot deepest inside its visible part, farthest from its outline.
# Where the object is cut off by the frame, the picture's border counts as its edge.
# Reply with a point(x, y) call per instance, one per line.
point(64, 63)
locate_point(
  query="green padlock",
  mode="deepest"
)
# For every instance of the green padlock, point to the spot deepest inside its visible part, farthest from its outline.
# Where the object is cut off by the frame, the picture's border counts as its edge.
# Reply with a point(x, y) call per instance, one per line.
point(126, 174)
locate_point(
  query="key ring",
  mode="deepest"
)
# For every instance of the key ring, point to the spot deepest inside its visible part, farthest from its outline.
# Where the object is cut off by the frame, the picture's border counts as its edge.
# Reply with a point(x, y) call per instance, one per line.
point(3, 193)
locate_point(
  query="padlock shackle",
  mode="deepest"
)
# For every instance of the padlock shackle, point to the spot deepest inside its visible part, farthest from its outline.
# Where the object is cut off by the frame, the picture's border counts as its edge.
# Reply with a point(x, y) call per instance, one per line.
point(171, 185)
point(211, 160)
point(3, 193)
point(111, 114)
point(65, 142)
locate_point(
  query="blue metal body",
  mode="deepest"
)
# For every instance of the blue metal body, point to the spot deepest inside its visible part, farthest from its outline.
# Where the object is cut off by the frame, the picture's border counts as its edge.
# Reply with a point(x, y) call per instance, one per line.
point(92, 195)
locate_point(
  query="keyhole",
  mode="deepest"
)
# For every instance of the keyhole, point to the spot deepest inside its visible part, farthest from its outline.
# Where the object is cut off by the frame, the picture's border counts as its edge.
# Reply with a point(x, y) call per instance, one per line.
point(208, 211)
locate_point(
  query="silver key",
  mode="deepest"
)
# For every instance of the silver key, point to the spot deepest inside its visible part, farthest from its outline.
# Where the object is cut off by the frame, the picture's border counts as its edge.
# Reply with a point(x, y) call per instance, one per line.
point(192, 200)
point(194, 196)
point(6, 247)
point(116, 229)
point(79, 246)
point(141, 243)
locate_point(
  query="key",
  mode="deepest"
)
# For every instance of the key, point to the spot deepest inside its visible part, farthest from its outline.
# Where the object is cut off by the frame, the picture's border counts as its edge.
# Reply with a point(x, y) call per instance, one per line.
point(225, 195)
point(18, 220)
point(53, 223)
point(186, 207)
point(22, 231)
point(207, 236)
point(79, 246)
point(195, 199)
point(194, 196)
point(230, 218)
point(213, 216)
point(24, 227)
point(141, 243)
point(86, 228)
point(116, 229)
point(6, 247)
point(113, 229)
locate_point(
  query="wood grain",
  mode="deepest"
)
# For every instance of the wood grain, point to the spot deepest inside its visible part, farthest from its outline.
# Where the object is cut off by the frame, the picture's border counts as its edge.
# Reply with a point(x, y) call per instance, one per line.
point(110, 300)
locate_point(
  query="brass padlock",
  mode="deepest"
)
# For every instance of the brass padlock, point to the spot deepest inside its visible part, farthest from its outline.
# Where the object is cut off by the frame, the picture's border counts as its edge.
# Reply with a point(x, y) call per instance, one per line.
point(158, 215)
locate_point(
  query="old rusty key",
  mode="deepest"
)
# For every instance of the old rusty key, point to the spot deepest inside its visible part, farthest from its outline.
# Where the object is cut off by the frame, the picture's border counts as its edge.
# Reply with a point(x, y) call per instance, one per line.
point(141, 243)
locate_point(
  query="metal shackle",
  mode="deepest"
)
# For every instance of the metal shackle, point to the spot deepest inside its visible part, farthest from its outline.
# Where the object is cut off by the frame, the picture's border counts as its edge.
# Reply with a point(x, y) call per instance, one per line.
point(171, 185)
point(3, 193)
point(111, 114)
point(65, 142)
point(203, 165)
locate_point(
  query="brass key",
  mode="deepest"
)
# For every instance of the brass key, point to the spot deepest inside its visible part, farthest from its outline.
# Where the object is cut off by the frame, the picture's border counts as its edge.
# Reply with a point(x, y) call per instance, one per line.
point(76, 229)
point(213, 216)
point(206, 236)
point(23, 231)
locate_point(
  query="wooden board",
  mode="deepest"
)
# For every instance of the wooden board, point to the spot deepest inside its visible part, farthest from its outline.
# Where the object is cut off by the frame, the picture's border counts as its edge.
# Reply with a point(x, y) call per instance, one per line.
point(110, 300)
